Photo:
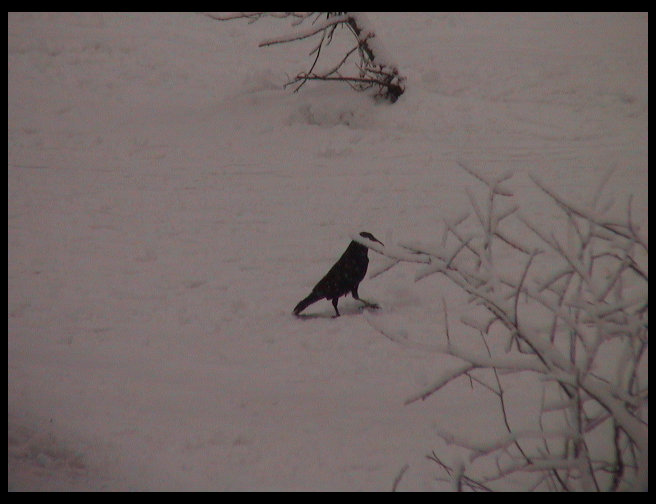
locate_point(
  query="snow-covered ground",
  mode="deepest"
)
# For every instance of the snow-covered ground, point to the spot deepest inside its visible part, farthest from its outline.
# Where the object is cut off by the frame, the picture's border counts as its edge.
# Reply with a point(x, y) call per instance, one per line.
point(169, 204)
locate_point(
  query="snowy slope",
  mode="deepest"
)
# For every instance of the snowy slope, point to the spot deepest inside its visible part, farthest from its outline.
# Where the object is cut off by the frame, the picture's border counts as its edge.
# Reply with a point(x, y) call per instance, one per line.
point(169, 203)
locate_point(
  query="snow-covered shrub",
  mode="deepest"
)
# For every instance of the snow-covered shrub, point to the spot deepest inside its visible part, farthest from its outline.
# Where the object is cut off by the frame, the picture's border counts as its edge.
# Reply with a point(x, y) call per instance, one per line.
point(373, 65)
point(567, 306)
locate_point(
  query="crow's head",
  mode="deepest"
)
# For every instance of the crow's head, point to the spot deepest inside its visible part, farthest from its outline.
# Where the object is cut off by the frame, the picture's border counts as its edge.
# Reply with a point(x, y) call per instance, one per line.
point(371, 237)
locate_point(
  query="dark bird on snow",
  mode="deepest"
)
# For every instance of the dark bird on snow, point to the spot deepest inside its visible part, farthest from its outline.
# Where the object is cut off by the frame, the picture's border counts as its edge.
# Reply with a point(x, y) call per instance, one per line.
point(343, 278)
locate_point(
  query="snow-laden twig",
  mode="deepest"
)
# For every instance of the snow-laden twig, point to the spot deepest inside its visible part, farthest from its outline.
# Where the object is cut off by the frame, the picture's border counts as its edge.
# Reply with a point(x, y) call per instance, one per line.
point(625, 230)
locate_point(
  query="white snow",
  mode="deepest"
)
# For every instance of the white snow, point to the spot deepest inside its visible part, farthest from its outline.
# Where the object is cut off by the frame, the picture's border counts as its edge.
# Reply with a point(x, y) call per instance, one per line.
point(169, 203)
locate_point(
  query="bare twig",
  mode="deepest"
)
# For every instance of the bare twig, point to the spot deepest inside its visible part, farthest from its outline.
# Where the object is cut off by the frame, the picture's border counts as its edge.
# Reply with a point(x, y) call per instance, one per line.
point(397, 480)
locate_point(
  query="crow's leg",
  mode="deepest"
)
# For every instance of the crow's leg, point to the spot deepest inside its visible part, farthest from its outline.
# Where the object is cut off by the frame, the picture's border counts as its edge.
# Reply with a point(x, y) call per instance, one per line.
point(335, 299)
point(368, 304)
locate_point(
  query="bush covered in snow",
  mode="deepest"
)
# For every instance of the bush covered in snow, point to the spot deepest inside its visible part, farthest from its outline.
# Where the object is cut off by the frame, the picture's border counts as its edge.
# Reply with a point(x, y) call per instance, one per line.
point(572, 312)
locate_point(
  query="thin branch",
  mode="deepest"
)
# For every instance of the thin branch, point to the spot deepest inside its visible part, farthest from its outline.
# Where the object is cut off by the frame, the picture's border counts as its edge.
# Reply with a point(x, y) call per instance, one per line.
point(446, 321)
point(397, 480)
point(303, 34)
point(446, 378)
point(502, 402)
point(613, 227)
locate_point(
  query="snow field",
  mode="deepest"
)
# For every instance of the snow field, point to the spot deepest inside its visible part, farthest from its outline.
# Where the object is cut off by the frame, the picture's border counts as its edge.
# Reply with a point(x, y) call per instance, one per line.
point(168, 205)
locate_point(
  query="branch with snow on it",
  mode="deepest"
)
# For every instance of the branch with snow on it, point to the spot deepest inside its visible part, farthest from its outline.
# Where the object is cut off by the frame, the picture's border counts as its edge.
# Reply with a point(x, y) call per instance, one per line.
point(375, 67)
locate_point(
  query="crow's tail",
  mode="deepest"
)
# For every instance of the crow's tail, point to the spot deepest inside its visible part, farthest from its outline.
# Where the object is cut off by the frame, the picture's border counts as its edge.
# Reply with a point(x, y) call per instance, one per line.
point(312, 298)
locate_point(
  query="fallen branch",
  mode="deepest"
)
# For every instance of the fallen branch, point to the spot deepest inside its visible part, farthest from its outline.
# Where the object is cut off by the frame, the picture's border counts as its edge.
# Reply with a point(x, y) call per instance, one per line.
point(374, 66)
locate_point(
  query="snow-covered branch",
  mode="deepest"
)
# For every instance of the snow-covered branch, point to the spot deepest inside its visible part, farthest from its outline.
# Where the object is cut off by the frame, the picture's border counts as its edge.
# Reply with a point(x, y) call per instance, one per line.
point(374, 66)
point(573, 314)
